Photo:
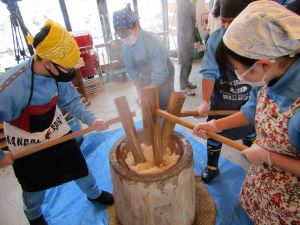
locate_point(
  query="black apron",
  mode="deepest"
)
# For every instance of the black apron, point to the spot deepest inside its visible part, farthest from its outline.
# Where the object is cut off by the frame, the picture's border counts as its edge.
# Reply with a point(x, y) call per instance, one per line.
point(50, 167)
point(230, 94)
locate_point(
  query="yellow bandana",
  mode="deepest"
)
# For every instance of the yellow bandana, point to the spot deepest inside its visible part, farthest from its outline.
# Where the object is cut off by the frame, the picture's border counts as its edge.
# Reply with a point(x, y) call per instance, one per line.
point(59, 46)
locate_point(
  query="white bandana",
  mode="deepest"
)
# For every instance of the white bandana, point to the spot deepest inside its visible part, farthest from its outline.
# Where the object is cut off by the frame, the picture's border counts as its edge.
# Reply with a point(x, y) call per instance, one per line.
point(264, 30)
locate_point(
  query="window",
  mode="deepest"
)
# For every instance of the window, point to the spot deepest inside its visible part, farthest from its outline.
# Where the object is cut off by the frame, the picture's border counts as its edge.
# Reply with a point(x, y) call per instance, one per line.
point(36, 12)
point(151, 15)
point(84, 16)
point(6, 47)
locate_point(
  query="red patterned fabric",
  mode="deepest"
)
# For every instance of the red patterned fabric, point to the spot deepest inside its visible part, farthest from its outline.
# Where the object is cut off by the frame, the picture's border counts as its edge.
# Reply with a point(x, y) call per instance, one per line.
point(22, 121)
point(269, 194)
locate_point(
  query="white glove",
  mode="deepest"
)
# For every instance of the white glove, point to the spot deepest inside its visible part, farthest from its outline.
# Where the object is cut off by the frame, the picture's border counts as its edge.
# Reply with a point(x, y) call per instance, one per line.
point(99, 125)
point(201, 128)
point(203, 109)
point(138, 100)
point(257, 155)
point(7, 160)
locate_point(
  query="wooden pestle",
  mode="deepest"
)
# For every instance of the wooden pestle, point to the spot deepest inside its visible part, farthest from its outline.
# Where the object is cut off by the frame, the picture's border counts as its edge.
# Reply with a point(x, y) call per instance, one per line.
point(174, 107)
point(217, 137)
point(130, 131)
point(152, 129)
point(39, 147)
point(148, 106)
point(184, 113)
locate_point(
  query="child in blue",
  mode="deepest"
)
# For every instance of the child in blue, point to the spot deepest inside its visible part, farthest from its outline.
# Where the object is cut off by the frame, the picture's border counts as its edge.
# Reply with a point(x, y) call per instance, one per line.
point(34, 92)
point(222, 90)
point(262, 45)
point(146, 58)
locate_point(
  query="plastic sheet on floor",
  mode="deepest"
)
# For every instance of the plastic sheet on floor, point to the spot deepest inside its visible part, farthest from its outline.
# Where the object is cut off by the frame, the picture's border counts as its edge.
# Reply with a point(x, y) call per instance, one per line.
point(68, 205)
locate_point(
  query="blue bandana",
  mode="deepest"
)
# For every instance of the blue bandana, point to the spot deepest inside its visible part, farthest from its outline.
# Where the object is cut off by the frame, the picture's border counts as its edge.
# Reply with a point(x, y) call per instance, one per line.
point(124, 19)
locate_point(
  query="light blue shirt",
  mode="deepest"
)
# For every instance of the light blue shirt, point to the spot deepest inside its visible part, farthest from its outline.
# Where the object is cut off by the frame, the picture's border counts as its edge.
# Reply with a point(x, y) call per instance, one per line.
point(209, 67)
point(15, 87)
point(284, 92)
point(148, 51)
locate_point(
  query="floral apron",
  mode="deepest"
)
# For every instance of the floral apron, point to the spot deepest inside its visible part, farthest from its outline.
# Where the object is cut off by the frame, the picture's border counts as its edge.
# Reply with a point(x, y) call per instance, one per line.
point(269, 194)
point(50, 167)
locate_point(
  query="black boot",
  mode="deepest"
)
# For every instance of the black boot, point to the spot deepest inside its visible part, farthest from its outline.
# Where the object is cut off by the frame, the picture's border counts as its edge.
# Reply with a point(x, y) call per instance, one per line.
point(38, 221)
point(105, 198)
point(248, 141)
point(213, 155)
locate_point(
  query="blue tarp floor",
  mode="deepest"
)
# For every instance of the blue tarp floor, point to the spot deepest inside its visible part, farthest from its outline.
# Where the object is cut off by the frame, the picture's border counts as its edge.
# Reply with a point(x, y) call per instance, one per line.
point(67, 205)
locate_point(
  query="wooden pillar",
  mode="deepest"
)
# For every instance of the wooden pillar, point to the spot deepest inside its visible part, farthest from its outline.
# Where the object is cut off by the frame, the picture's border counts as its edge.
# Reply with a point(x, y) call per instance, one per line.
point(64, 11)
point(165, 15)
point(104, 20)
point(148, 104)
point(174, 107)
point(128, 125)
point(152, 129)
point(157, 143)
point(136, 8)
point(79, 84)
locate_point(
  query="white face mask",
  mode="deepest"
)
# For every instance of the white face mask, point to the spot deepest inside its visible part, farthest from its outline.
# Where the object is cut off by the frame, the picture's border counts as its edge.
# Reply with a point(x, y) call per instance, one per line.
point(253, 84)
point(131, 39)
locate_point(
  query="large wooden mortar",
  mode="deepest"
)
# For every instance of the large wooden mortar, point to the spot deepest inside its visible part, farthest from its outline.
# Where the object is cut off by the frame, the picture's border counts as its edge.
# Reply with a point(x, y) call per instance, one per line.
point(167, 198)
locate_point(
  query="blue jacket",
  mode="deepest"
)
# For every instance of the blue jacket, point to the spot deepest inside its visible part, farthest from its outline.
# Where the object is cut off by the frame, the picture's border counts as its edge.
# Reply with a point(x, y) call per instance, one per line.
point(148, 55)
point(229, 92)
point(15, 88)
point(209, 67)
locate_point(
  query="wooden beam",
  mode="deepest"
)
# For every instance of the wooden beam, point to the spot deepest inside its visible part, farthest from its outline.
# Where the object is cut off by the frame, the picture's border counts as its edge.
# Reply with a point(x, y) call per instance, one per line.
point(130, 131)
point(148, 106)
point(33, 149)
point(152, 129)
point(184, 113)
point(217, 137)
point(174, 107)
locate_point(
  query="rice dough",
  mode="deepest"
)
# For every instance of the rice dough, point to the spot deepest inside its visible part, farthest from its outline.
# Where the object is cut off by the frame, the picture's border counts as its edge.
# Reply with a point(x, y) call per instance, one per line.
point(168, 160)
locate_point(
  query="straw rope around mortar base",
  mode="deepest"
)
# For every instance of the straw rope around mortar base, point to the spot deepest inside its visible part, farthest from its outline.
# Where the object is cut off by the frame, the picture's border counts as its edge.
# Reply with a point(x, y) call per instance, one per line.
point(205, 207)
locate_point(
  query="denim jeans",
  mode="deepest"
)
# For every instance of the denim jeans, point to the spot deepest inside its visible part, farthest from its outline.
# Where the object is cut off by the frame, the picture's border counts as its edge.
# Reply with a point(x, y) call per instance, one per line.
point(33, 200)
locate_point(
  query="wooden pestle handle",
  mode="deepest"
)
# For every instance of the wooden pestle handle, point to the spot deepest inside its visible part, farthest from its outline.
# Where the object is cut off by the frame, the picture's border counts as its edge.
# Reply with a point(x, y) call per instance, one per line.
point(33, 149)
point(210, 134)
point(184, 113)
point(129, 128)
